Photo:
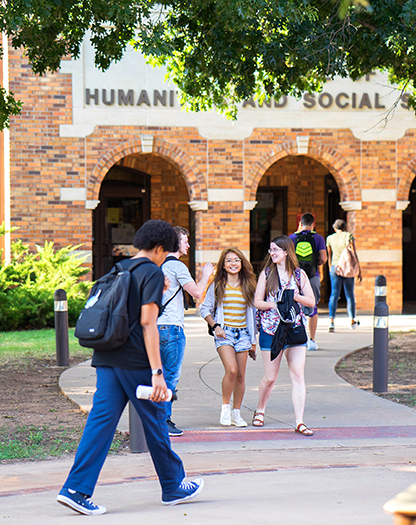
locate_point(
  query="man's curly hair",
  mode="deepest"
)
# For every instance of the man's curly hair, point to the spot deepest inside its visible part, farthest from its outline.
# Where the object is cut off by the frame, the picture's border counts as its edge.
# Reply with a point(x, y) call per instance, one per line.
point(156, 233)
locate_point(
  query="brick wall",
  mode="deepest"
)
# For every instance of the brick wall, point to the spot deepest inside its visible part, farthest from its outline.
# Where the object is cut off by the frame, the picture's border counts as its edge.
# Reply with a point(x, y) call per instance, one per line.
point(183, 165)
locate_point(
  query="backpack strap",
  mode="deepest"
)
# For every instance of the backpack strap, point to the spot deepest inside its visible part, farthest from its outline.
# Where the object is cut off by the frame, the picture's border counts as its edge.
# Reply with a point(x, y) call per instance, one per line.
point(298, 279)
point(267, 275)
point(185, 302)
point(171, 258)
point(173, 297)
point(120, 268)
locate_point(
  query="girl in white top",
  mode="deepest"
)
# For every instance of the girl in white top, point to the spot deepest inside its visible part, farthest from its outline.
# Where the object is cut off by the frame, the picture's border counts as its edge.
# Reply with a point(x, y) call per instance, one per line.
point(281, 265)
point(228, 309)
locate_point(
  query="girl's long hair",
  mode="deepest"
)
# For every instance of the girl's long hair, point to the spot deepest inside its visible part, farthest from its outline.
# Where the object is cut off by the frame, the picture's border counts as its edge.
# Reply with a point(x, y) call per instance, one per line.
point(291, 263)
point(246, 276)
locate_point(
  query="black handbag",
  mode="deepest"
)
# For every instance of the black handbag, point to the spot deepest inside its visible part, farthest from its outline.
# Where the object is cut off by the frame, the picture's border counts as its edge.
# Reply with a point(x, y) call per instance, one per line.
point(296, 335)
point(287, 333)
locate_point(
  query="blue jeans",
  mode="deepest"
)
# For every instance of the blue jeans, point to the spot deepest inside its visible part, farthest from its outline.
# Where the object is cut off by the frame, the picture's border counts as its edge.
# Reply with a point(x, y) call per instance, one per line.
point(172, 351)
point(336, 283)
point(115, 387)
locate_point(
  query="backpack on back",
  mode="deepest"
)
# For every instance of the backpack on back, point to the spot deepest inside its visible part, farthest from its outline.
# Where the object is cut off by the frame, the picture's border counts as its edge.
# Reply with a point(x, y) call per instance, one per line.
point(306, 252)
point(103, 323)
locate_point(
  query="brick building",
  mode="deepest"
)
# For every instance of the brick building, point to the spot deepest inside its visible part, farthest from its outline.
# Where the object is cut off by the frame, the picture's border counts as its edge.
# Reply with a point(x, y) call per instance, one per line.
point(94, 154)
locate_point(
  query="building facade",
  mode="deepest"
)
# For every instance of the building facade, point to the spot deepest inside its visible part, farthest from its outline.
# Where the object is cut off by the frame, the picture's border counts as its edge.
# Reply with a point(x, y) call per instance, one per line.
point(93, 155)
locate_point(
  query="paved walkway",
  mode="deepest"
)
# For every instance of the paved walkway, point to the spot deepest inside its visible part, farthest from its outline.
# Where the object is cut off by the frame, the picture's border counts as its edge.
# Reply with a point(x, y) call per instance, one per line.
point(362, 453)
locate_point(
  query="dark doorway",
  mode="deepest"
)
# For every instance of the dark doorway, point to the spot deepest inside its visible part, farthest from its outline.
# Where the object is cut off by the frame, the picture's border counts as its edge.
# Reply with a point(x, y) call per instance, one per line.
point(409, 253)
point(124, 207)
point(267, 220)
point(333, 211)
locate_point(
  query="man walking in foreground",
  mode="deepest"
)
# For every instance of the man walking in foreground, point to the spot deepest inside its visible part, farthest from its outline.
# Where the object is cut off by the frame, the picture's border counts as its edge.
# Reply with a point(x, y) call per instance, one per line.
point(311, 252)
point(119, 372)
point(171, 322)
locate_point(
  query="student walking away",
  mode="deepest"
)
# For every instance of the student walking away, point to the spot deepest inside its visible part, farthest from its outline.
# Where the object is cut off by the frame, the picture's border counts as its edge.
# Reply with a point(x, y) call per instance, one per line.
point(281, 272)
point(311, 253)
point(119, 372)
point(336, 244)
point(229, 311)
point(171, 322)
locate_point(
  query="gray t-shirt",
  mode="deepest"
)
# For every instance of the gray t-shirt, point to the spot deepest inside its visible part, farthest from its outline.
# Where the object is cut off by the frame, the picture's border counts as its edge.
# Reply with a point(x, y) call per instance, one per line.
point(178, 274)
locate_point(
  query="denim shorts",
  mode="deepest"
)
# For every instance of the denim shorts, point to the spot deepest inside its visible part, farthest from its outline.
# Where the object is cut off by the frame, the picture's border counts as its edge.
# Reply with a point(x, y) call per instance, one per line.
point(238, 338)
point(265, 342)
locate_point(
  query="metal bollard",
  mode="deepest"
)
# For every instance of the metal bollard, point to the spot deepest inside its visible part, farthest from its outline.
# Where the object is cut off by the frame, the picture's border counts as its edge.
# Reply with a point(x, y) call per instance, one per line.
point(380, 291)
point(61, 328)
point(137, 438)
point(381, 348)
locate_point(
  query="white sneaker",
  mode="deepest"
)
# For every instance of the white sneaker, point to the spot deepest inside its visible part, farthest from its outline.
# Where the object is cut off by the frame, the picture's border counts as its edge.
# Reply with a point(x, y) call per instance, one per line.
point(225, 418)
point(312, 345)
point(236, 418)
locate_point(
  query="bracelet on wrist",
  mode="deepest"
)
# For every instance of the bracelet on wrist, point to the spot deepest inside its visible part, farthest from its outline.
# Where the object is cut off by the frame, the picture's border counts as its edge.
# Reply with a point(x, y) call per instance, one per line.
point(215, 326)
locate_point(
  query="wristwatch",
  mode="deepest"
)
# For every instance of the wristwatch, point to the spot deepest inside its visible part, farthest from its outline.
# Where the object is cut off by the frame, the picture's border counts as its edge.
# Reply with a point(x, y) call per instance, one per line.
point(157, 372)
point(215, 326)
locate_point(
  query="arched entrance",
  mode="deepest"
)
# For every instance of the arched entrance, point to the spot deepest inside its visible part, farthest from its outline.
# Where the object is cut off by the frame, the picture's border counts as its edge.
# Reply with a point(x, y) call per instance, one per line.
point(409, 252)
point(137, 188)
point(291, 186)
point(124, 206)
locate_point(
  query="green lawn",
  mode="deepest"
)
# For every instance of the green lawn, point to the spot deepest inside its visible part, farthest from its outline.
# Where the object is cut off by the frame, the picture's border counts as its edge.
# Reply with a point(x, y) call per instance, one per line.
point(36, 344)
point(35, 443)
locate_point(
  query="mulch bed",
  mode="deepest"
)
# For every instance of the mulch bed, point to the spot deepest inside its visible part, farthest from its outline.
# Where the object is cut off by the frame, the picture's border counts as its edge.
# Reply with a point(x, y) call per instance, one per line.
point(357, 369)
point(32, 408)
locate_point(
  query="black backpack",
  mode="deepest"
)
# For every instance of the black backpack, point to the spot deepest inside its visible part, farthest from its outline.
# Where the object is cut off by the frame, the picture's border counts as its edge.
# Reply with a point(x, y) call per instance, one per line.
point(103, 323)
point(306, 252)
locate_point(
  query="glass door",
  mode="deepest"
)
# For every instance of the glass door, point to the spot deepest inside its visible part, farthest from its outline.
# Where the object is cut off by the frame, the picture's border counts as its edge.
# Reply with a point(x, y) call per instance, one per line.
point(121, 212)
point(267, 220)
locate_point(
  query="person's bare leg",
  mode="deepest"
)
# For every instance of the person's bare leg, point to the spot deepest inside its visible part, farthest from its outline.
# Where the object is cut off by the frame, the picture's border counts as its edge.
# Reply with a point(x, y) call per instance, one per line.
point(229, 361)
point(313, 323)
point(295, 357)
point(271, 371)
point(240, 380)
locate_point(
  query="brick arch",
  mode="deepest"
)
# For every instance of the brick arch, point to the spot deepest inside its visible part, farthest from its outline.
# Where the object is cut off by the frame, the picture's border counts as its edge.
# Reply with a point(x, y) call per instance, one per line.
point(406, 181)
point(192, 176)
point(337, 165)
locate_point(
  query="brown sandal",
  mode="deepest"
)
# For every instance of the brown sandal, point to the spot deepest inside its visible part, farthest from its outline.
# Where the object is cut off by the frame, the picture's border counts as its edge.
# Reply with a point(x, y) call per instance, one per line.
point(304, 430)
point(258, 419)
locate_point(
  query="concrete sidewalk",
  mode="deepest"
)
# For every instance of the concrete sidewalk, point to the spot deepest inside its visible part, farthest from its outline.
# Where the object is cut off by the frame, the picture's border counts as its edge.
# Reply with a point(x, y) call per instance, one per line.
point(362, 453)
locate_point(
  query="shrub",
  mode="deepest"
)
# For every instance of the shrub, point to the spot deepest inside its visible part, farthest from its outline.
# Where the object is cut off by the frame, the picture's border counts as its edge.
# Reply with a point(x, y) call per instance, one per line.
point(28, 283)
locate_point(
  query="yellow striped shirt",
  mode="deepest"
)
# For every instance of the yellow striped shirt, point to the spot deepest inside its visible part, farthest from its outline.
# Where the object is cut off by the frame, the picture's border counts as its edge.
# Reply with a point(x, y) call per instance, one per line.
point(234, 307)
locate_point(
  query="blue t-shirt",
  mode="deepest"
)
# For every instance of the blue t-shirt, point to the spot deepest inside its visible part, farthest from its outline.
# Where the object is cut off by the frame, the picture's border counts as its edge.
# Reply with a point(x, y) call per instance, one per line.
point(319, 241)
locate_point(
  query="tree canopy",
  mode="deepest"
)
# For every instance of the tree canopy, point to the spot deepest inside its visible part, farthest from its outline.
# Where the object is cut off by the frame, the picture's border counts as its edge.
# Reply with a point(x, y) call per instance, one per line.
point(221, 52)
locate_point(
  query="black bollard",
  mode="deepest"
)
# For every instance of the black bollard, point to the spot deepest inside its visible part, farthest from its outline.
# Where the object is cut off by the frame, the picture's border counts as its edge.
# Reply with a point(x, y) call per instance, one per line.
point(380, 291)
point(137, 438)
point(381, 348)
point(61, 328)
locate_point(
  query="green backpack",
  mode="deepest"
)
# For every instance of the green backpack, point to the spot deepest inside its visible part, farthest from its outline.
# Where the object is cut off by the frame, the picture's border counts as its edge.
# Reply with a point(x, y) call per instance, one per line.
point(306, 252)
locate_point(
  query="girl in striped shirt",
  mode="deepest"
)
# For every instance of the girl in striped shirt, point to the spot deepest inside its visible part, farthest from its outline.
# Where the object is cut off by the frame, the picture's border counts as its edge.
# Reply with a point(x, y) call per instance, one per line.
point(228, 308)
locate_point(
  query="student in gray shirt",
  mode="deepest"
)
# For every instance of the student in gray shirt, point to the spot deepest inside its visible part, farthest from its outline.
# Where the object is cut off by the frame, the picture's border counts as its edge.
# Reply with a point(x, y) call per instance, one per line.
point(171, 322)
